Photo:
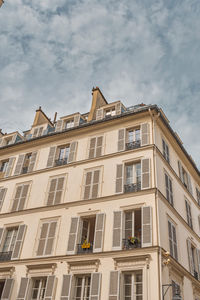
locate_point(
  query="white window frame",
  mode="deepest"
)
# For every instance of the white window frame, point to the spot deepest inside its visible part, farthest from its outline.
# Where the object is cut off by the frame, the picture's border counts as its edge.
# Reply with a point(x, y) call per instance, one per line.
point(133, 274)
point(33, 279)
point(134, 169)
point(83, 276)
point(14, 231)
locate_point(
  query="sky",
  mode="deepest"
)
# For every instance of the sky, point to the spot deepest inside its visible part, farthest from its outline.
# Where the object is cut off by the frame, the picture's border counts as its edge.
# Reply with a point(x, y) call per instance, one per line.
point(52, 53)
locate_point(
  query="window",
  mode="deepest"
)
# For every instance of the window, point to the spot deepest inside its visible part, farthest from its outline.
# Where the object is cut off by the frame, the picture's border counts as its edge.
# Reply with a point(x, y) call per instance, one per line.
point(69, 124)
point(3, 165)
point(95, 148)
point(2, 196)
point(172, 240)
point(2, 283)
point(132, 177)
point(165, 150)
point(132, 286)
point(91, 184)
point(55, 191)
point(38, 288)
point(87, 235)
point(110, 112)
point(194, 256)
point(176, 291)
point(20, 197)
point(47, 238)
point(133, 138)
point(37, 132)
point(168, 187)
point(132, 229)
point(62, 155)
point(198, 195)
point(82, 287)
point(25, 163)
point(188, 213)
point(185, 178)
point(10, 239)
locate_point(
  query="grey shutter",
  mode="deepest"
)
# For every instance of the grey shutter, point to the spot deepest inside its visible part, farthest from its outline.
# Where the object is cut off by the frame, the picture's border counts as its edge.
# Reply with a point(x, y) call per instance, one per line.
point(99, 114)
point(145, 136)
point(73, 235)
point(145, 172)
point(117, 230)
point(119, 179)
point(99, 232)
point(72, 152)
point(66, 287)
point(146, 226)
point(180, 168)
point(9, 167)
point(1, 236)
point(95, 184)
point(50, 287)
point(58, 194)
point(51, 158)
point(50, 238)
point(198, 261)
point(32, 162)
point(118, 108)
point(99, 144)
point(189, 184)
point(190, 259)
point(121, 139)
point(2, 196)
point(23, 196)
point(114, 285)
point(92, 148)
point(23, 289)
point(59, 125)
point(17, 198)
point(7, 290)
point(87, 187)
point(18, 168)
point(19, 241)
point(42, 239)
point(52, 189)
point(76, 120)
point(95, 286)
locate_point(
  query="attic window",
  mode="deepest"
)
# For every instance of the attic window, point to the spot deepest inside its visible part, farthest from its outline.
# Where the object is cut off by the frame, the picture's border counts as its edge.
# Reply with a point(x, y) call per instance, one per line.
point(69, 124)
point(110, 112)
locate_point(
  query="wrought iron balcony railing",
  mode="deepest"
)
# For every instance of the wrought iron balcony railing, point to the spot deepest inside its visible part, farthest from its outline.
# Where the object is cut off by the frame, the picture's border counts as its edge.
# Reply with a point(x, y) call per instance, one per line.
point(5, 256)
point(133, 145)
point(60, 162)
point(127, 244)
point(82, 250)
point(133, 187)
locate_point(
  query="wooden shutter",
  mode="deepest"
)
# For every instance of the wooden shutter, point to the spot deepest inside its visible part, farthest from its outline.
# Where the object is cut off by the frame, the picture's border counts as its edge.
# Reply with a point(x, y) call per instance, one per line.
point(114, 285)
point(72, 152)
point(50, 238)
point(95, 185)
point(59, 125)
point(145, 173)
point(180, 168)
point(55, 190)
point(118, 108)
point(95, 286)
point(51, 158)
point(121, 139)
point(2, 196)
point(76, 120)
point(190, 259)
point(92, 148)
point(23, 288)
point(51, 281)
point(2, 230)
point(145, 134)
point(73, 235)
point(19, 166)
point(119, 179)
point(117, 230)
point(198, 260)
point(52, 189)
point(59, 190)
point(7, 290)
point(99, 144)
point(42, 239)
point(19, 241)
point(87, 187)
point(189, 184)
point(99, 114)
point(32, 162)
point(99, 232)
point(17, 197)
point(146, 226)
point(20, 197)
point(9, 167)
point(66, 287)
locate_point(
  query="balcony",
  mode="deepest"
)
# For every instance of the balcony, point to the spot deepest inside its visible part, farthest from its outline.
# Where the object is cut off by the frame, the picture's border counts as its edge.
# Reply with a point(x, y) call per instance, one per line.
point(24, 170)
point(127, 244)
point(5, 256)
point(196, 275)
point(133, 187)
point(133, 145)
point(60, 162)
point(84, 249)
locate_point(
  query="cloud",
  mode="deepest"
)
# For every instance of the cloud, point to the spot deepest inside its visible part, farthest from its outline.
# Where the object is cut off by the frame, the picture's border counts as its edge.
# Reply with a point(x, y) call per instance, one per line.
point(53, 52)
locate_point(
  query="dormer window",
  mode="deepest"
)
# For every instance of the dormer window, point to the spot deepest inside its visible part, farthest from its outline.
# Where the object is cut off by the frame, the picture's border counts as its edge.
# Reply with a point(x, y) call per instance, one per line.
point(110, 112)
point(69, 124)
point(37, 132)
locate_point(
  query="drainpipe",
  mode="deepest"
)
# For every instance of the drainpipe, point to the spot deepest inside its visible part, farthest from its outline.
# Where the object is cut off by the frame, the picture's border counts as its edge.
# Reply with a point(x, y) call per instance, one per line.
point(154, 119)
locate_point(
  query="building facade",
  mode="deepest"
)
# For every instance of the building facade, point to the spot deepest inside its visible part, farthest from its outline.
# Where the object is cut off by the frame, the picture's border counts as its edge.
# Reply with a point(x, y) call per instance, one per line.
point(96, 206)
